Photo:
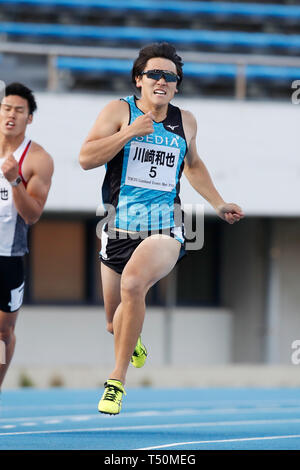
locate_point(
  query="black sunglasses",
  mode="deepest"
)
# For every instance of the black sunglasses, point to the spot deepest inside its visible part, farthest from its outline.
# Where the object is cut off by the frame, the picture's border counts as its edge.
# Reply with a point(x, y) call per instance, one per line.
point(157, 74)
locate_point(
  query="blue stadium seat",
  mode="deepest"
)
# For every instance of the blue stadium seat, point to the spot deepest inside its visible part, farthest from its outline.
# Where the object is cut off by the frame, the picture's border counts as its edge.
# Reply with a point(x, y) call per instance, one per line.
point(212, 71)
point(118, 66)
point(258, 11)
point(215, 39)
point(273, 73)
point(124, 66)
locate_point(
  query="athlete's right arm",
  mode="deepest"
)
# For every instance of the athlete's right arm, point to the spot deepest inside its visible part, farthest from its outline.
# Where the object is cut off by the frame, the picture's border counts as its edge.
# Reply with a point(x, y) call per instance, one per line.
point(110, 133)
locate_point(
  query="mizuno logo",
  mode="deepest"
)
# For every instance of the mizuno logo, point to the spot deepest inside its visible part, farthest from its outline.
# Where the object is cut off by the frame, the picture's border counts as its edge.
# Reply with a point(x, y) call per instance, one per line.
point(172, 127)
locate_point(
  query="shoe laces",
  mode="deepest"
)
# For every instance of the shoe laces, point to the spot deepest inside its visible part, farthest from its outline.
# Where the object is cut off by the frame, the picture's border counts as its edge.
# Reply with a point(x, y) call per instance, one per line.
point(112, 392)
point(139, 351)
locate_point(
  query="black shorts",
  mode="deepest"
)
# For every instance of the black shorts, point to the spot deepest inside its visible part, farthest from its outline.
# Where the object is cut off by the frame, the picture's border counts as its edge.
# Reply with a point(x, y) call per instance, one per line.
point(11, 283)
point(117, 247)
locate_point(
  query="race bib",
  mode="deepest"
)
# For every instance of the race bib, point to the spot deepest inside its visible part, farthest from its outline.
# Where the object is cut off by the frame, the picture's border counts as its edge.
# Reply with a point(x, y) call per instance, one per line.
point(5, 197)
point(152, 166)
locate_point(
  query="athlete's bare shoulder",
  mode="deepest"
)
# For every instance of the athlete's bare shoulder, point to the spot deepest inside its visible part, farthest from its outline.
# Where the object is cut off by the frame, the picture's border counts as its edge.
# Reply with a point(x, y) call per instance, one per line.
point(118, 104)
point(188, 118)
point(117, 111)
point(189, 124)
point(38, 152)
point(110, 120)
point(38, 161)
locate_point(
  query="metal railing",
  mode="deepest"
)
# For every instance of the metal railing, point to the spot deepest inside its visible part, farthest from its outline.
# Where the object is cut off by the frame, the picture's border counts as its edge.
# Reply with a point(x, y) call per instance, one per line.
point(53, 51)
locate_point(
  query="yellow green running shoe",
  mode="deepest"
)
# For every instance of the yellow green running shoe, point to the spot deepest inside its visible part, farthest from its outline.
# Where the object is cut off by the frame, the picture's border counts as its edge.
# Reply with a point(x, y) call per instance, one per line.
point(111, 401)
point(138, 358)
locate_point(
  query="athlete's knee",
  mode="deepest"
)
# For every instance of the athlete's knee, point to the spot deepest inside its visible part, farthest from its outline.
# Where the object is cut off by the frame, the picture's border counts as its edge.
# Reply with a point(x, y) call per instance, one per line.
point(7, 334)
point(132, 286)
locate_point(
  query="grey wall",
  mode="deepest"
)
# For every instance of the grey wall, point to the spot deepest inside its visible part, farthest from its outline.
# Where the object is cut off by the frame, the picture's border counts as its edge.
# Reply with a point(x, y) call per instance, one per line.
point(260, 284)
point(287, 242)
point(77, 336)
point(243, 286)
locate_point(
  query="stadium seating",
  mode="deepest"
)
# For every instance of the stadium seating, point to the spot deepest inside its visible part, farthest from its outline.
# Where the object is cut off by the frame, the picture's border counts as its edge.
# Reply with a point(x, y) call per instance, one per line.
point(252, 10)
point(200, 26)
point(188, 39)
point(211, 15)
point(123, 67)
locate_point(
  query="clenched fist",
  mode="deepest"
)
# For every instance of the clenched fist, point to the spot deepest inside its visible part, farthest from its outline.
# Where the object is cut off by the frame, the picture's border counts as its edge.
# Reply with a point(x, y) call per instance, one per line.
point(231, 213)
point(10, 168)
point(143, 125)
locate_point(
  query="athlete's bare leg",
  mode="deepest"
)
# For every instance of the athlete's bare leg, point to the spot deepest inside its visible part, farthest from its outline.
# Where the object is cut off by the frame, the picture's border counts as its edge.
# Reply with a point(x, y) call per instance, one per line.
point(111, 284)
point(7, 336)
point(153, 259)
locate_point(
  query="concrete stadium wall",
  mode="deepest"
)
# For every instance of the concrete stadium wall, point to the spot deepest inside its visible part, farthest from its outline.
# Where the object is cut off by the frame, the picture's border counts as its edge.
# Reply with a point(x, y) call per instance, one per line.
point(260, 285)
point(77, 335)
point(244, 288)
point(70, 339)
point(69, 346)
point(285, 252)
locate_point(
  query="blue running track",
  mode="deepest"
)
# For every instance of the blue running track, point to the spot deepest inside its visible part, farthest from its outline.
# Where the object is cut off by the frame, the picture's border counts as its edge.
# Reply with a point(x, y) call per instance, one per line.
point(152, 419)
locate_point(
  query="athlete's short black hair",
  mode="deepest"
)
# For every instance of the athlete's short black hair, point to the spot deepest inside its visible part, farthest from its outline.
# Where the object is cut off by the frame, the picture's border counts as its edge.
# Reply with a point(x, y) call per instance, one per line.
point(21, 90)
point(162, 49)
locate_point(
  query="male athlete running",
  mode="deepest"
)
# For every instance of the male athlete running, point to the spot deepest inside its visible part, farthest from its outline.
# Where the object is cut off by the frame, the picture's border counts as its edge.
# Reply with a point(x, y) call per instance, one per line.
point(25, 178)
point(145, 144)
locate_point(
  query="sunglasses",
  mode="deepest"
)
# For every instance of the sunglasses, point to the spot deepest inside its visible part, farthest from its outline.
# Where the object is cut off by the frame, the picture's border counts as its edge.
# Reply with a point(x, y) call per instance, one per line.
point(157, 74)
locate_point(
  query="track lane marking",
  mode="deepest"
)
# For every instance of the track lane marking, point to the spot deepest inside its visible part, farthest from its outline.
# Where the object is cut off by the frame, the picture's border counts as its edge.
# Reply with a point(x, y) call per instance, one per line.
point(245, 439)
point(159, 426)
point(54, 419)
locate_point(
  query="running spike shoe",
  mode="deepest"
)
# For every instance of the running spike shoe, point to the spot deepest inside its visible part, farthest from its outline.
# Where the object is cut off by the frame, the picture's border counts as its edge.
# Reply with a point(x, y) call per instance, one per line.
point(111, 401)
point(139, 356)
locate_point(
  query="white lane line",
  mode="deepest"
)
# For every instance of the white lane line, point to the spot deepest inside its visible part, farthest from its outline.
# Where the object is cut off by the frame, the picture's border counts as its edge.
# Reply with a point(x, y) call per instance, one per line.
point(245, 439)
point(54, 419)
point(45, 419)
point(82, 418)
point(49, 407)
point(160, 426)
point(176, 404)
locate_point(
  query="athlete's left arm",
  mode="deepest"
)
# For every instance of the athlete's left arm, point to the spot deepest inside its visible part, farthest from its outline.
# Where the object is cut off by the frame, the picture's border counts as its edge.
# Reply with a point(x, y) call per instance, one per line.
point(30, 201)
point(199, 177)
